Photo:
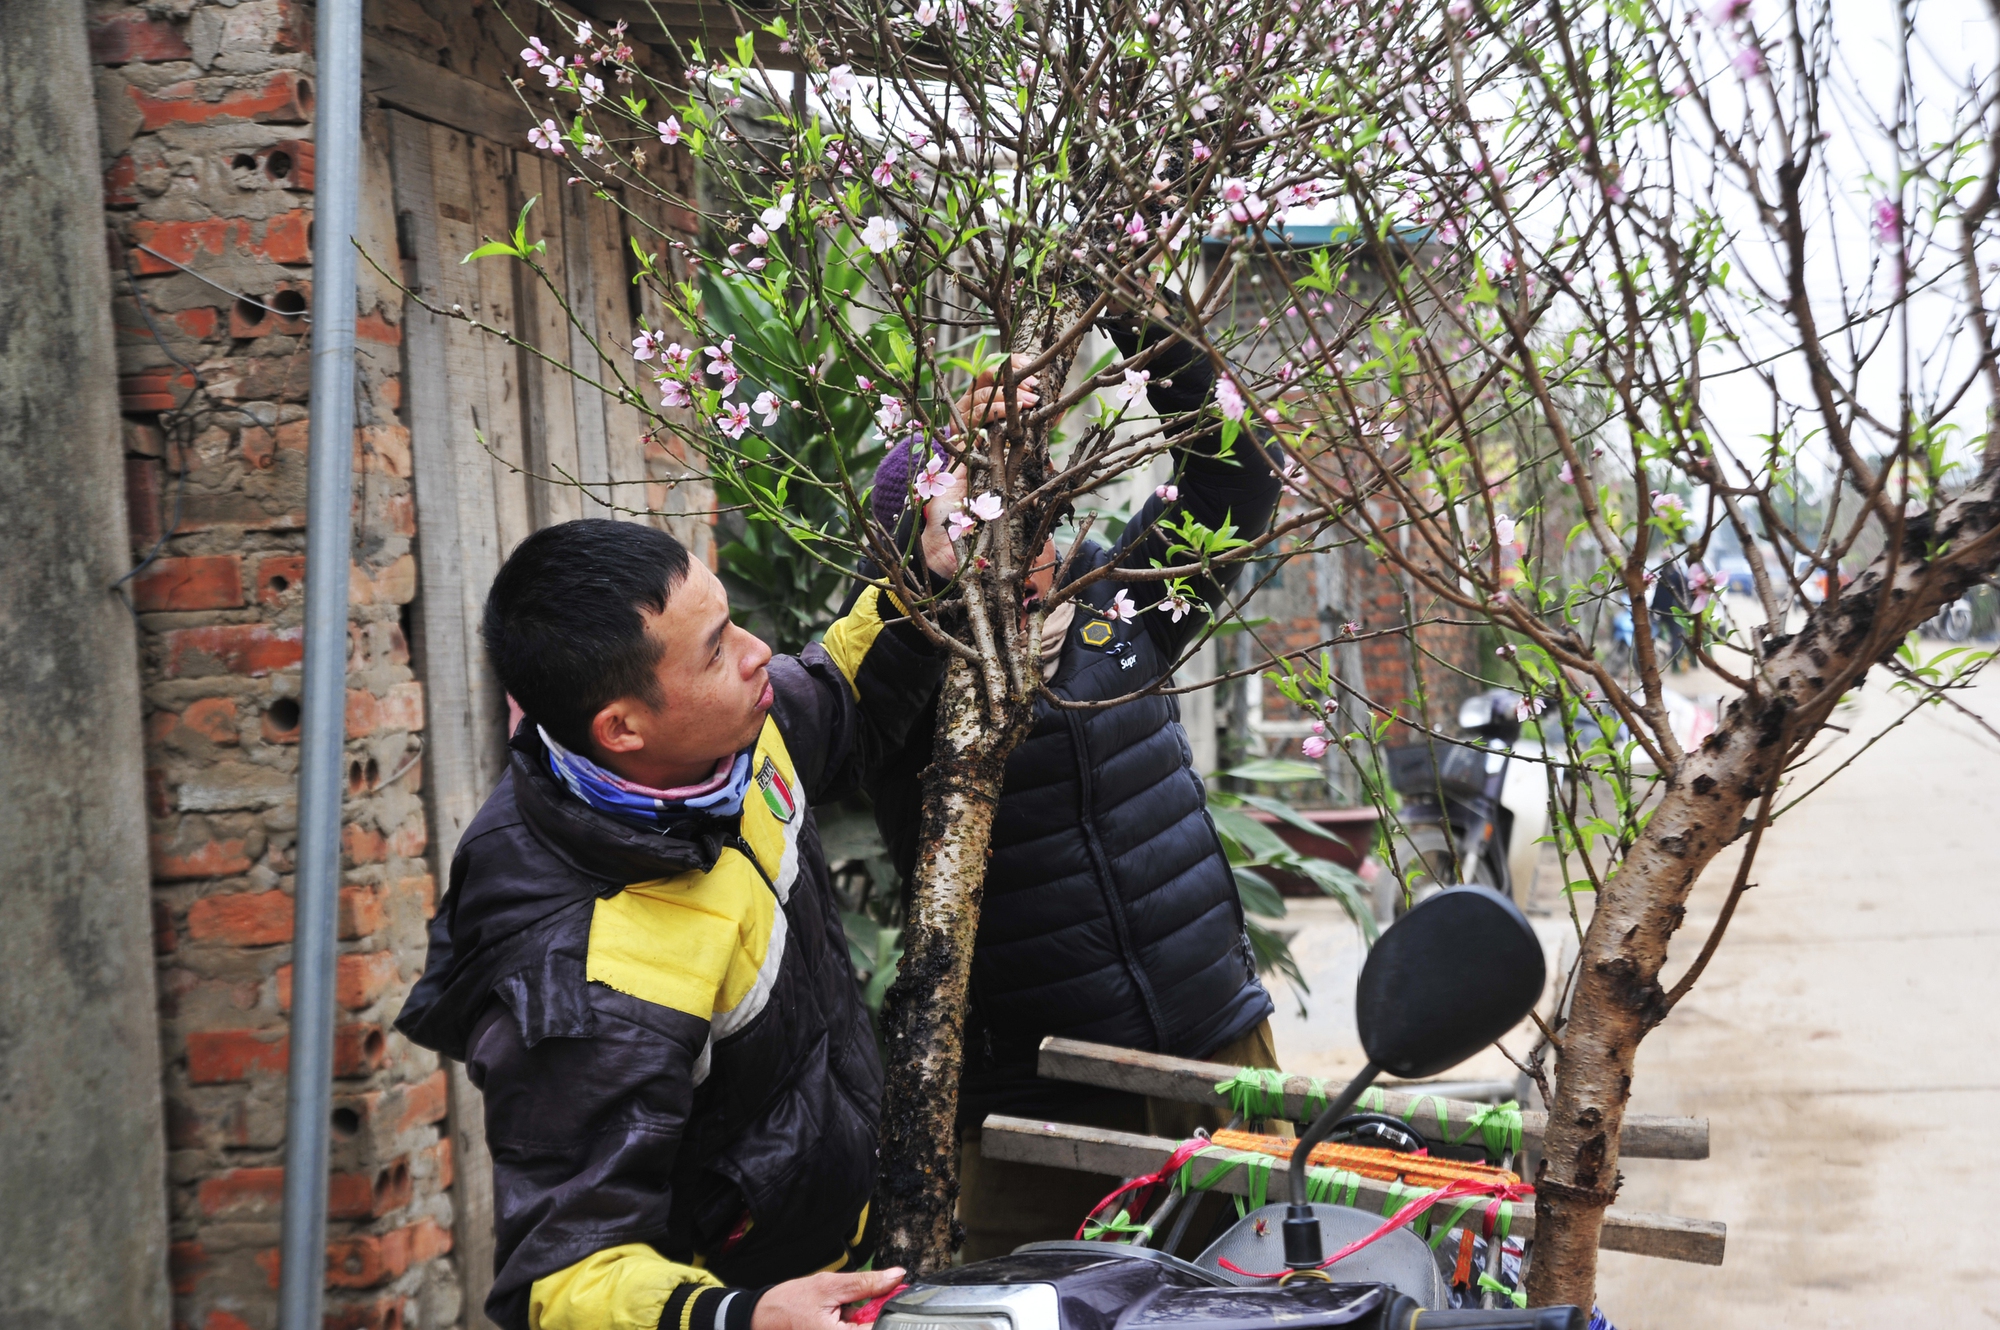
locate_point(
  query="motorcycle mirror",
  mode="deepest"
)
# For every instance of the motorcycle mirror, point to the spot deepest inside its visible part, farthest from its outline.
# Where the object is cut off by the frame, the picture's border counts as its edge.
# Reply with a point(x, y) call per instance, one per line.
point(1461, 969)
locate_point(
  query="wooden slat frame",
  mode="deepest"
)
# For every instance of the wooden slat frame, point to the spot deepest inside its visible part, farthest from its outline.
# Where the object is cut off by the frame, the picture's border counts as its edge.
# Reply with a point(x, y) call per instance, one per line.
point(494, 210)
point(579, 288)
point(417, 87)
point(1119, 1154)
point(458, 718)
point(678, 495)
point(611, 285)
point(551, 448)
point(1184, 1080)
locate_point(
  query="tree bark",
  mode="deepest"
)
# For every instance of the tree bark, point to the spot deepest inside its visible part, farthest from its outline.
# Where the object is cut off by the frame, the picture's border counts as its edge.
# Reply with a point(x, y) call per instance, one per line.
point(1619, 998)
point(923, 1013)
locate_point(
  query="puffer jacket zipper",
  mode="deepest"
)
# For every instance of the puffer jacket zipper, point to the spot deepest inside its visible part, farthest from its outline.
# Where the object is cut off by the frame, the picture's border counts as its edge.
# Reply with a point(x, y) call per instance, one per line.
point(1114, 904)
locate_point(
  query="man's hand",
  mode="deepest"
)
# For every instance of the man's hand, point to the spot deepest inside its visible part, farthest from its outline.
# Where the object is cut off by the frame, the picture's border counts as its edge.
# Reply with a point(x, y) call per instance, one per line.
point(814, 1303)
point(986, 402)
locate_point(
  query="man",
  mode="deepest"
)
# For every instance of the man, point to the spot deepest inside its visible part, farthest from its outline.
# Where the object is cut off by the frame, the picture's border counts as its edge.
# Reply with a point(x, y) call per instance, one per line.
point(1110, 911)
point(640, 959)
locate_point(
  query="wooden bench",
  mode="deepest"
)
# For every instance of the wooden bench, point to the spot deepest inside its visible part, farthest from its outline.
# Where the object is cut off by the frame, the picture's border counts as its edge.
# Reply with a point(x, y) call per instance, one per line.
point(1124, 1154)
point(1187, 1081)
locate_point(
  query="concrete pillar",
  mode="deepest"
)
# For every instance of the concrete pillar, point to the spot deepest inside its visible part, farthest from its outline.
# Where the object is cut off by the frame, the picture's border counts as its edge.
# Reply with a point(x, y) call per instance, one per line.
point(83, 1225)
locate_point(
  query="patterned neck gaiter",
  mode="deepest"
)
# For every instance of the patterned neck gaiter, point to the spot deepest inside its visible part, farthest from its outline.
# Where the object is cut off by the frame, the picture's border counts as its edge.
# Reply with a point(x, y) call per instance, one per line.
point(720, 796)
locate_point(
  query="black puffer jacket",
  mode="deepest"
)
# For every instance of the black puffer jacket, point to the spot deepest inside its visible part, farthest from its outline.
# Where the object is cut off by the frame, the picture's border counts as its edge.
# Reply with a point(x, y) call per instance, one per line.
point(1110, 911)
point(677, 1067)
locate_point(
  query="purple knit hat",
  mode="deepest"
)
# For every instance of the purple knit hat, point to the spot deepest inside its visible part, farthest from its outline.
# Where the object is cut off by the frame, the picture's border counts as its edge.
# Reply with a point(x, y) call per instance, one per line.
point(891, 494)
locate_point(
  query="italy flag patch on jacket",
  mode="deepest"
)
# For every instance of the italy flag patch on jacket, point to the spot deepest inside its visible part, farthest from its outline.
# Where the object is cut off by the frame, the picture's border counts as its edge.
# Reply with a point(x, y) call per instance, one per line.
point(777, 791)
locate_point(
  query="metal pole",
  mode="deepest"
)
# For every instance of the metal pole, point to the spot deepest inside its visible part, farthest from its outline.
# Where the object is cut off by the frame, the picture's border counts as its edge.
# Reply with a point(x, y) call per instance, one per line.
point(329, 497)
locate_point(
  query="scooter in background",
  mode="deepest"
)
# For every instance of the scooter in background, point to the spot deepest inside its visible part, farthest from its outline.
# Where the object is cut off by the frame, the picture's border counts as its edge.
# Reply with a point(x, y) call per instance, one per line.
point(1952, 622)
point(1470, 812)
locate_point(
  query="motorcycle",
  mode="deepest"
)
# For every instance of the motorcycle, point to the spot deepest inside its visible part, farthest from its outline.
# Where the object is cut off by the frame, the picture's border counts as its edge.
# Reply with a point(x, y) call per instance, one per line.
point(1952, 622)
point(1454, 974)
point(1470, 812)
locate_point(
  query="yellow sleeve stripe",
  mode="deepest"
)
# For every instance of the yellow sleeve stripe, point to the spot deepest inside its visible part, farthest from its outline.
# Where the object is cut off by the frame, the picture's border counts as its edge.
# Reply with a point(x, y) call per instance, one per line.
point(619, 1288)
point(851, 635)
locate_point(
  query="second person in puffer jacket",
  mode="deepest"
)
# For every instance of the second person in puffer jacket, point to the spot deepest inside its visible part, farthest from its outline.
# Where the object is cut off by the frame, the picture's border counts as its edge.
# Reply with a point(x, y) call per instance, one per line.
point(1110, 911)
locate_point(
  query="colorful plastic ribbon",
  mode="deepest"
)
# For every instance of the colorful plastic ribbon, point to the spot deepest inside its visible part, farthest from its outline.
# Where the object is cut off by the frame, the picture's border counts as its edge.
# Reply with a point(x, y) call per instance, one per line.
point(867, 1313)
point(1488, 1284)
point(1143, 1186)
point(1408, 1213)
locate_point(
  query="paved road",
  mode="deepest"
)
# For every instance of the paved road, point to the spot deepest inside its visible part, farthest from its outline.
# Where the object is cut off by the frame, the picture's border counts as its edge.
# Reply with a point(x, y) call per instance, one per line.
point(1844, 1044)
point(1844, 1047)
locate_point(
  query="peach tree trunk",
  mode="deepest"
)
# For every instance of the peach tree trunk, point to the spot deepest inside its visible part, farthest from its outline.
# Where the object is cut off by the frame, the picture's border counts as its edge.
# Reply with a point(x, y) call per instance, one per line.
point(1618, 997)
point(985, 709)
point(923, 1013)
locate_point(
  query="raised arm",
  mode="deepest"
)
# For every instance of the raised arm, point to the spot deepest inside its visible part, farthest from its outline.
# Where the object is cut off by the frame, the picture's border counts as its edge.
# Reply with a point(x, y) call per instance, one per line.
point(854, 696)
point(1240, 489)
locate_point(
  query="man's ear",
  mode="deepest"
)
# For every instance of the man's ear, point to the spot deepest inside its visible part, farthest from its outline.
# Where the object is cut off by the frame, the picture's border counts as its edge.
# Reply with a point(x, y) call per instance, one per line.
point(611, 728)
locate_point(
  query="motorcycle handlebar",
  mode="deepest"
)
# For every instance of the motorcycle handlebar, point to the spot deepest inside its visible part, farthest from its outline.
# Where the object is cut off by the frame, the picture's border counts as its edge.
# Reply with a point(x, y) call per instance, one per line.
point(1502, 1318)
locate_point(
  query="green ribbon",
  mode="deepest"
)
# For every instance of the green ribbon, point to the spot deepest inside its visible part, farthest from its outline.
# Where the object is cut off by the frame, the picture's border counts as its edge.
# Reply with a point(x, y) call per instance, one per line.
point(1259, 1092)
point(1257, 1173)
point(1315, 1097)
point(1400, 1196)
point(1255, 1092)
point(1442, 1231)
point(1121, 1223)
point(1488, 1284)
point(1333, 1186)
point(1498, 1125)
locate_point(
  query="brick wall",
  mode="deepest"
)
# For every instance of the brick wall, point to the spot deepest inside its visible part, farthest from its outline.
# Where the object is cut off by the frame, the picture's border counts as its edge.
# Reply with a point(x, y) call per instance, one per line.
point(206, 113)
point(205, 108)
point(1449, 653)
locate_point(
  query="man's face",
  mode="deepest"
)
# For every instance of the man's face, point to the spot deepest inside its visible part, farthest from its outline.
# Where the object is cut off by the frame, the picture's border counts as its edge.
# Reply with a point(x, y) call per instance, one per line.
point(714, 690)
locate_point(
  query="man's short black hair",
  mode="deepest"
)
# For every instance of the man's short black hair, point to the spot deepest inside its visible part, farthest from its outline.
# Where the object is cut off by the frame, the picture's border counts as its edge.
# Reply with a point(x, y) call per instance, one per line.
point(563, 622)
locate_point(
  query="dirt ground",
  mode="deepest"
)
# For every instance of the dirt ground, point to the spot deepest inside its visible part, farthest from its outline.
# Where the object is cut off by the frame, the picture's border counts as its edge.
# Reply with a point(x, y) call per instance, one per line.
point(1842, 1045)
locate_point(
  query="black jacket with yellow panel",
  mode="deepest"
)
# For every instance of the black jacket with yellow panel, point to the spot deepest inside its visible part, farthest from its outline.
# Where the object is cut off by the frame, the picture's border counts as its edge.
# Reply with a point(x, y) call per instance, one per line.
point(681, 1083)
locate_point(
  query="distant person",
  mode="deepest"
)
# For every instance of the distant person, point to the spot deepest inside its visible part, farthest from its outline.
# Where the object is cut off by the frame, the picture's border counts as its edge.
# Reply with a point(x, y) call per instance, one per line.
point(1670, 612)
point(640, 957)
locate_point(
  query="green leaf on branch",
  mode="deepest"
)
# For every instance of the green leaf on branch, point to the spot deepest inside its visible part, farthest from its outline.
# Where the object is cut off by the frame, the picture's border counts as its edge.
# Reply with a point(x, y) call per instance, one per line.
point(1258, 895)
point(1276, 769)
point(518, 247)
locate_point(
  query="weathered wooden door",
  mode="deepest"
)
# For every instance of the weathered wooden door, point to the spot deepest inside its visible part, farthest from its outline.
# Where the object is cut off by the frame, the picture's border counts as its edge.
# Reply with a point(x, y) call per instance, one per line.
point(504, 442)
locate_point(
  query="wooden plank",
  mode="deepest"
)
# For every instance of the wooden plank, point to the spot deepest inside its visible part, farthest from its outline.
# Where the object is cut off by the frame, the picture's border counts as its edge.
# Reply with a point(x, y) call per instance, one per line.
point(679, 495)
point(551, 440)
point(472, 1193)
point(472, 468)
point(1185, 1080)
point(1119, 1154)
point(494, 208)
point(452, 784)
point(610, 267)
point(431, 92)
point(580, 289)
